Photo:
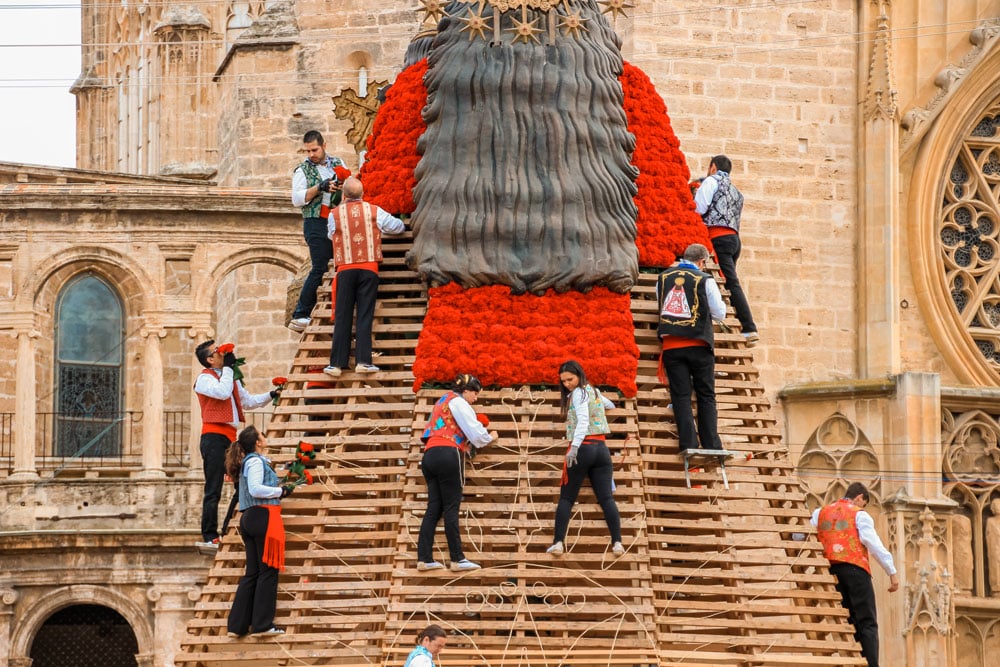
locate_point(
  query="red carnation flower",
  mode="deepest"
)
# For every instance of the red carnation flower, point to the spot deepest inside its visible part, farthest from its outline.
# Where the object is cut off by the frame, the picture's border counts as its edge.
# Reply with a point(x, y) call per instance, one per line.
point(343, 173)
point(279, 381)
point(305, 446)
point(226, 348)
point(484, 420)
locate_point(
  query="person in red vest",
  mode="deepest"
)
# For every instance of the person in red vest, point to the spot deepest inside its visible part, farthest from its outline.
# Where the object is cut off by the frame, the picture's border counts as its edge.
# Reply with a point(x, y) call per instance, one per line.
point(848, 535)
point(222, 402)
point(355, 229)
point(452, 431)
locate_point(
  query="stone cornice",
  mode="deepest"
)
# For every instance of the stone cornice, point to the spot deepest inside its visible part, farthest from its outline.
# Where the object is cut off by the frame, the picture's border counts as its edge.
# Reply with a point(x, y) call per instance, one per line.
point(852, 389)
point(166, 200)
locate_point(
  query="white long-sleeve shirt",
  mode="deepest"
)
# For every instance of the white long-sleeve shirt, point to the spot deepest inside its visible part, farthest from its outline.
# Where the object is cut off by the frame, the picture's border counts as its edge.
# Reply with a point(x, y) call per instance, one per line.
point(866, 533)
point(254, 470)
point(300, 184)
point(580, 404)
point(706, 192)
point(222, 388)
point(465, 418)
point(387, 223)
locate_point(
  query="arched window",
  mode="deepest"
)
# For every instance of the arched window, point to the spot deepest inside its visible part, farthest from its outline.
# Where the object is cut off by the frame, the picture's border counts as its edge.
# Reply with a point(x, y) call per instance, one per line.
point(84, 635)
point(90, 337)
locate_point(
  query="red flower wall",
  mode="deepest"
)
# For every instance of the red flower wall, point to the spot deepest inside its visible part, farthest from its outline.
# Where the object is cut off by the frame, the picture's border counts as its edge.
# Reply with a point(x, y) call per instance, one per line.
point(667, 222)
point(392, 147)
point(509, 340)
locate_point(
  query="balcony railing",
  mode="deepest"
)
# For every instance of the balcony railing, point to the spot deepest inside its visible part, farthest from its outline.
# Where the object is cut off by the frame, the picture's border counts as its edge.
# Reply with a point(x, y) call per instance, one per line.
point(104, 441)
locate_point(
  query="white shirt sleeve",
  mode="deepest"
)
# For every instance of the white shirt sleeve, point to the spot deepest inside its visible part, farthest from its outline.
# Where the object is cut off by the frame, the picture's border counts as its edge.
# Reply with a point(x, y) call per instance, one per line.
point(866, 532)
point(608, 403)
point(219, 388)
point(299, 187)
point(580, 404)
point(389, 224)
point(254, 470)
point(465, 417)
point(715, 303)
point(251, 401)
point(814, 519)
point(703, 198)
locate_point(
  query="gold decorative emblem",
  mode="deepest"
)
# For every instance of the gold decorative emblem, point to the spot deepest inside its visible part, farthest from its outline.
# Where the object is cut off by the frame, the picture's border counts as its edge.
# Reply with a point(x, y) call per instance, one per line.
point(360, 111)
point(574, 24)
point(432, 9)
point(616, 7)
point(507, 5)
point(526, 30)
point(476, 23)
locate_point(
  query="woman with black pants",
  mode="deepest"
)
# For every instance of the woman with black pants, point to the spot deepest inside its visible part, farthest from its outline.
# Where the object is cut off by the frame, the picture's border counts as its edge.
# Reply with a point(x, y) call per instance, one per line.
point(583, 407)
point(452, 430)
point(263, 535)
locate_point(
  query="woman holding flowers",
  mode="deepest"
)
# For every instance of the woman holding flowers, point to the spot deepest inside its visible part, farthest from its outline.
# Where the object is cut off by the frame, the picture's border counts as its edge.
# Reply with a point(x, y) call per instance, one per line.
point(452, 430)
point(583, 407)
point(263, 535)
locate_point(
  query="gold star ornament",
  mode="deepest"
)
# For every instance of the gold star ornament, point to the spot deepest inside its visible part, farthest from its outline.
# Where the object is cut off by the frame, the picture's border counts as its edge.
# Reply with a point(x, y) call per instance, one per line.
point(526, 30)
point(616, 7)
point(574, 24)
point(432, 9)
point(476, 23)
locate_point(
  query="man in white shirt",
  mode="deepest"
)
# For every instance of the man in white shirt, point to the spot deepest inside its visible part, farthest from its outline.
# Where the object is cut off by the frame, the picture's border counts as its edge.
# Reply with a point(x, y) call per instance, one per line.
point(315, 187)
point(848, 536)
point(689, 300)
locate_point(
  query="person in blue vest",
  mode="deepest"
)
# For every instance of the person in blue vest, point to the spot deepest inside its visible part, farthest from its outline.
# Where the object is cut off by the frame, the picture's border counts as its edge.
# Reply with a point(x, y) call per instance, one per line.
point(689, 299)
point(263, 535)
point(720, 205)
point(451, 432)
point(430, 641)
point(583, 406)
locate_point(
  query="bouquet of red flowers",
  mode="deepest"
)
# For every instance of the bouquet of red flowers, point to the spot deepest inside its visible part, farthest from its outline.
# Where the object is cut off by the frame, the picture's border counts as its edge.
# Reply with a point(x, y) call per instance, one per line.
point(342, 173)
point(298, 473)
point(279, 384)
point(226, 348)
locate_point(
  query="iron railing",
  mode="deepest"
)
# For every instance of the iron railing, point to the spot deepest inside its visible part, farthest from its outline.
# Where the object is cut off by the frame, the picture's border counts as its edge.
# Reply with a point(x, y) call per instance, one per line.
point(104, 440)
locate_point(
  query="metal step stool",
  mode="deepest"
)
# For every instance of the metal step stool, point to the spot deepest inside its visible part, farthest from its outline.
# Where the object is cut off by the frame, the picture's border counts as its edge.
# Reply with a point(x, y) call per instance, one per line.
point(719, 454)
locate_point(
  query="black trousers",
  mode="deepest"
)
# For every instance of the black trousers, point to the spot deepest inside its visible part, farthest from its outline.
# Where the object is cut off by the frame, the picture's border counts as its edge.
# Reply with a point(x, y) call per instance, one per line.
point(689, 367)
point(257, 593)
point(213, 457)
point(320, 253)
point(356, 289)
point(858, 597)
point(594, 462)
point(727, 252)
point(442, 468)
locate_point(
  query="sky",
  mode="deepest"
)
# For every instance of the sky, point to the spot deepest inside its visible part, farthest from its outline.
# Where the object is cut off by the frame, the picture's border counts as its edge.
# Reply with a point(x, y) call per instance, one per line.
point(37, 111)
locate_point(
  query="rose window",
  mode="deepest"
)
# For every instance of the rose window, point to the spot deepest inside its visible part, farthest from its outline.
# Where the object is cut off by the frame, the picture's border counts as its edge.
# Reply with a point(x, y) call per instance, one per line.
point(969, 231)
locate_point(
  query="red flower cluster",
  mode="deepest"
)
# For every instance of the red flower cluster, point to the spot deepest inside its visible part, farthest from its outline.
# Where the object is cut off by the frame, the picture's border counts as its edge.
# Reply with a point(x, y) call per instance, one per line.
point(279, 381)
point(305, 457)
point(342, 173)
point(484, 420)
point(392, 147)
point(667, 221)
point(226, 348)
point(509, 340)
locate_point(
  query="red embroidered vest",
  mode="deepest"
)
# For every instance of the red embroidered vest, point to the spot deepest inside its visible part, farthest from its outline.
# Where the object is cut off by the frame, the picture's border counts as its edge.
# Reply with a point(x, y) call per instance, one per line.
point(441, 430)
point(219, 410)
point(357, 239)
point(838, 532)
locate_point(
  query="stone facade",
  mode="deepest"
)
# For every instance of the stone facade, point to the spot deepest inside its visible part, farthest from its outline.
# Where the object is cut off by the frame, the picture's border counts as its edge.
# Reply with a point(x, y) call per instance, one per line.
point(865, 254)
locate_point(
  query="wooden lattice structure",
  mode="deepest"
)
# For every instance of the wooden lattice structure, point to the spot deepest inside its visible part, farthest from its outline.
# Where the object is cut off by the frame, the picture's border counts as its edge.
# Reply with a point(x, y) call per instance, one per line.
point(710, 577)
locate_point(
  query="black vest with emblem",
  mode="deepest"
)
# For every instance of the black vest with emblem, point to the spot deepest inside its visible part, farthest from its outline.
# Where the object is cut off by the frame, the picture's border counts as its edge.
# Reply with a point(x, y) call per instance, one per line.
point(683, 305)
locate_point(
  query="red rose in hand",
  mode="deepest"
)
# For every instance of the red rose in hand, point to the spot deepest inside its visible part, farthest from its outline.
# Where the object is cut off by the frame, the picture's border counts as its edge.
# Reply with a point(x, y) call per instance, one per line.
point(226, 348)
point(484, 420)
point(279, 381)
point(343, 173)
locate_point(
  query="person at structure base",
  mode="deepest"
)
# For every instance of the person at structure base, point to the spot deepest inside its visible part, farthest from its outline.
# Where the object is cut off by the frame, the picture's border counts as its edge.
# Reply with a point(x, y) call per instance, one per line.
point(848, 535)
point(430, 642)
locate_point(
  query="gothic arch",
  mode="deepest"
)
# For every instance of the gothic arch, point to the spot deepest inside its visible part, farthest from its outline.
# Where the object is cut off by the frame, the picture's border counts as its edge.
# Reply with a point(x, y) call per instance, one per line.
point(836, 454)
point(205, 293)
point(27, 627)
point(126, 275)
point(933, 162)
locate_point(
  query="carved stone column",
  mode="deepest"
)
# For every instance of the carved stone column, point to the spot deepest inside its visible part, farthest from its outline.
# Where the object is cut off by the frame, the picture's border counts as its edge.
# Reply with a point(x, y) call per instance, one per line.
point(173, 605)
point(880, 224)
point(24, 407)
point(8, 599)
point(152, 404)
point(930, 608)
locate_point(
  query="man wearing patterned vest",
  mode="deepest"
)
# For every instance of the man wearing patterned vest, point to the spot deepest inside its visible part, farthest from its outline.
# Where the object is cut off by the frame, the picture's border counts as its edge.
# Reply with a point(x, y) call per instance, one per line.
point(315, 187)
point(848, 536)
point(720, 205)
point(222, 401)
point(689, 300)
point(355, 229)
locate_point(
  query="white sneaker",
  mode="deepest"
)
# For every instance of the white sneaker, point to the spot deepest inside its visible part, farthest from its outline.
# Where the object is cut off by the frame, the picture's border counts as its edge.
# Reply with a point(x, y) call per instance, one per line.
point(617, 549)
point(432, 565)
point(270, 632)
point(332, 371)
point(366, 368)
point(556, 549)
point(299, 324)
point(752, 338)
point(464, 565)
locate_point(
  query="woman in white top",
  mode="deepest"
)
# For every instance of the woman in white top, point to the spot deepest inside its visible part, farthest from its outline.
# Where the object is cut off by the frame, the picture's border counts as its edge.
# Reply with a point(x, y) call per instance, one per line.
point(583, 407)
